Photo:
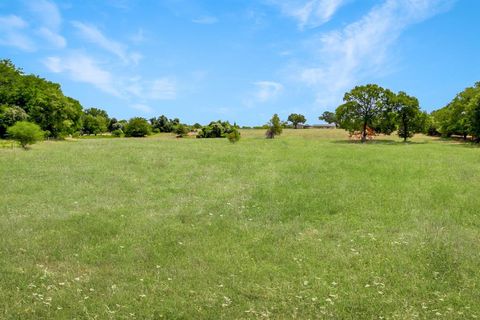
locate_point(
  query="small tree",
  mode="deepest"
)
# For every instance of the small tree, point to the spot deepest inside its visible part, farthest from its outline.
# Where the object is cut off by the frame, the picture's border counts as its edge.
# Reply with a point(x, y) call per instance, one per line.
point(408, 115)
point(234, 136)
point(274, 127)
point(137, 127)
point(25, 133)
point(296, 119)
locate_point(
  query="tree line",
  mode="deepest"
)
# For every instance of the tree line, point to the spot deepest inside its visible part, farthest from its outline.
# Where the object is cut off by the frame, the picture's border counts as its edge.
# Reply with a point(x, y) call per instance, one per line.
point(367, 108)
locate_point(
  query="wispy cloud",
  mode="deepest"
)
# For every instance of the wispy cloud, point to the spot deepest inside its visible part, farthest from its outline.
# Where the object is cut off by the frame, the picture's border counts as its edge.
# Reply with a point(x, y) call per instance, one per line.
point(267, 90)
point(309, 14)
point(50, 19)
point(205, 20)
point(12, 33)
point(95, 36)
point(82, 68)
point(157, 89)
point(361, 50)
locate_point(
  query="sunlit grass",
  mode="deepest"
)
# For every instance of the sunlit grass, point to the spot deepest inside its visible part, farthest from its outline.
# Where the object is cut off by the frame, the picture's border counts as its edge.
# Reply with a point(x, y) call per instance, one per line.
point(307, 225)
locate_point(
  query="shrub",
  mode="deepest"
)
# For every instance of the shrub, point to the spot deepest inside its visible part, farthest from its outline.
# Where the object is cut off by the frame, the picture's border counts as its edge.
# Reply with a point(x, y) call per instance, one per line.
point(216, 129)
point(137, 127)
point(274, 127)
point(117, 133)
point(25, 133)
point(181, 130)
point(233, 136)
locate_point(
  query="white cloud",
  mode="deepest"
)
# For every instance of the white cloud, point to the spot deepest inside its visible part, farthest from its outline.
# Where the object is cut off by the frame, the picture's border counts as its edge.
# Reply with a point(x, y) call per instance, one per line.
point(143, 108)
point(50, 19)
point(205, 20)
point(157, 89)
point(361, 49)
point(309, 14)
point(12, 33)
point(52, 37)
point(267, 90)
point(82, 68)
point(95, 36)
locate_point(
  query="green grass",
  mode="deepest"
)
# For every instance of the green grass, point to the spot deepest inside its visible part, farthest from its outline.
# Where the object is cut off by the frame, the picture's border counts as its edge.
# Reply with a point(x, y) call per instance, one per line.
point(304, 226)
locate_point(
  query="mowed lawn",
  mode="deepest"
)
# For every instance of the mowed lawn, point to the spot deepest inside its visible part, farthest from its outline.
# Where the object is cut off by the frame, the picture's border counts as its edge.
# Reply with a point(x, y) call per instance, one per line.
point(304, 226)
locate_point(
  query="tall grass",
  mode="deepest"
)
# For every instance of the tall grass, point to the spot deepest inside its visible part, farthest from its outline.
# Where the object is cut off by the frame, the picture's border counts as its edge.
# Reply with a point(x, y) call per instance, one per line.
point(303, 226)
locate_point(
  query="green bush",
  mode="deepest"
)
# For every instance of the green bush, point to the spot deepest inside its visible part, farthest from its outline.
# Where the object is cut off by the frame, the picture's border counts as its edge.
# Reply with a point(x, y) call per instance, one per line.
point(25, 133)
point(274, 127)
point(233, 136)
point(137, 127)
point(117, 133)
point(181, 130)
point(216, 129)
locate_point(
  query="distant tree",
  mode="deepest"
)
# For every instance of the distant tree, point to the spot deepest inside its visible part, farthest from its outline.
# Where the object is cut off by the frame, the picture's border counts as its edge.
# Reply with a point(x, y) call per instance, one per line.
point(25, 133)
point(329, 117)
point(296, 119)
point(408, 115)
point(163, 124)
point(93, 124)
point(274, 127)
point(137, 127)
point(197, 125)
point(363, 107)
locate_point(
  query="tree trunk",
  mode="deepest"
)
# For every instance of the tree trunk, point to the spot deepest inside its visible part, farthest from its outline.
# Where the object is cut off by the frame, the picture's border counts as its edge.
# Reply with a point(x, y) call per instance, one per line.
point(364, 133)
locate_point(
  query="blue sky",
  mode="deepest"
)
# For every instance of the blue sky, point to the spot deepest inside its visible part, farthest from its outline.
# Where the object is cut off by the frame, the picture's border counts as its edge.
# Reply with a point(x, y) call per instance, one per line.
point(242, 60)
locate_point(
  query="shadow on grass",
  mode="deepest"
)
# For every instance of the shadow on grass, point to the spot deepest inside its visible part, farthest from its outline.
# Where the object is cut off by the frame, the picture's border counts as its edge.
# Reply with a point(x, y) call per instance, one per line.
point(380, 142)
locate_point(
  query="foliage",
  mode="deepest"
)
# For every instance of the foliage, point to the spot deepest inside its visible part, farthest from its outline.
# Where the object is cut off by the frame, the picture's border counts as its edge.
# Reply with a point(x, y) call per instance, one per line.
point(25, 133)
point(363, 107)
point(296, 119)
point(137, 127)
point(329, 117)
point(407, 115)
point(216, 129)
point(117, 133)
point(163, 124)
point(458, 117)
point(42, 100)
point(274, 127)
point(8, 116)
point(234, 136)
point(95, 121)
point(181, 130)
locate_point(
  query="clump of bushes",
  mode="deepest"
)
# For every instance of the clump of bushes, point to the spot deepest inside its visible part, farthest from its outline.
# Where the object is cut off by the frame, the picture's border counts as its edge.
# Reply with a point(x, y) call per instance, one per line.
point(137, 127)
point(117, 133)
point(25, 133)
point(181, 130)
point(216, 129)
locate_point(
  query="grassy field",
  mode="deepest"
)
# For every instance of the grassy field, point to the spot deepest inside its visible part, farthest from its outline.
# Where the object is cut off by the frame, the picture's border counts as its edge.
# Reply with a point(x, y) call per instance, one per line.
point(304, 226)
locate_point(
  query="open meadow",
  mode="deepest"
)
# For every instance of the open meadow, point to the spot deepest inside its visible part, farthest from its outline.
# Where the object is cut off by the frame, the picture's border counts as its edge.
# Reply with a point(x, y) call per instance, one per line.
point(307, 225)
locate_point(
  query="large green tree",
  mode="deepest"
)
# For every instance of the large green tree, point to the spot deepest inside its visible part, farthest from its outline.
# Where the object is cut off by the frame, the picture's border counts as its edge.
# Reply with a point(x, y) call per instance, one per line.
point(363, 107)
